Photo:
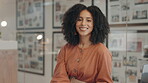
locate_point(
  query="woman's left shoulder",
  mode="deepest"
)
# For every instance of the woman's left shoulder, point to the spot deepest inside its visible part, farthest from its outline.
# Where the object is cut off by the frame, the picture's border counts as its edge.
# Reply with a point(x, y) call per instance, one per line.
point(101, 48)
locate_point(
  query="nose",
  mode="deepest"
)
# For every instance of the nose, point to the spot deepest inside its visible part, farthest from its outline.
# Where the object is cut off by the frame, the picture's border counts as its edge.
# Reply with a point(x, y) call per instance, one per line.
point(83, 23)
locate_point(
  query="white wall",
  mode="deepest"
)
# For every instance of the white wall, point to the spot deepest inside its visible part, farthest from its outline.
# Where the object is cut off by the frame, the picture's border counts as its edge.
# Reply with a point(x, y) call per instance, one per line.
point(7, 13)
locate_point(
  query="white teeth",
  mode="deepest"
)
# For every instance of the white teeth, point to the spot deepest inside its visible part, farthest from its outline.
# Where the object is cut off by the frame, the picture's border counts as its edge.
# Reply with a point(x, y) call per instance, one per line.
point(83, 29)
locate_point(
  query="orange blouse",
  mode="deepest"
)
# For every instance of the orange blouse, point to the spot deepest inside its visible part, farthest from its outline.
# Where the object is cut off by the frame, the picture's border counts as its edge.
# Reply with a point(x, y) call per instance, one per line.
point(90, 65)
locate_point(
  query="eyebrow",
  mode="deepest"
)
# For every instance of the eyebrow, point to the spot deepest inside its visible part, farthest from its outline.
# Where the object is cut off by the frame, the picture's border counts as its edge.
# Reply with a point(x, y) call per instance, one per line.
point(86, 17)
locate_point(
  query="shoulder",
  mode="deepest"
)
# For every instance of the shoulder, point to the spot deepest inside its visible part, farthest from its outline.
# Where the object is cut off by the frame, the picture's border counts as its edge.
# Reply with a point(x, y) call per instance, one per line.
point(68, 46)
point(102, 49)
point(64, 49)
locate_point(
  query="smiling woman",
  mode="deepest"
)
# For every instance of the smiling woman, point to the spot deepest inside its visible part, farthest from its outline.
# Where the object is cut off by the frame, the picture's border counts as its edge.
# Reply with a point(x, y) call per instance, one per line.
point(84, 24)
point(84, 59)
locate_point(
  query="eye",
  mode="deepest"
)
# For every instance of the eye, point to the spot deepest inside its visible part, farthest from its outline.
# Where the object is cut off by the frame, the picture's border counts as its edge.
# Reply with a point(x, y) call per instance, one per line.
point(79, 19)
point(89, 20)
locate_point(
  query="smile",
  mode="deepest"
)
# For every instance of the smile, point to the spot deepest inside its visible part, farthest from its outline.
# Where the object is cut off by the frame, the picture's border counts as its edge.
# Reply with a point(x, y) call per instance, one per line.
point(83, 28)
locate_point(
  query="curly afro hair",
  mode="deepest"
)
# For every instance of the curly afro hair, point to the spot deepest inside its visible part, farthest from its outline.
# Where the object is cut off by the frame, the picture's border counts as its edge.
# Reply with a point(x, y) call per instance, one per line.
point(100, 30)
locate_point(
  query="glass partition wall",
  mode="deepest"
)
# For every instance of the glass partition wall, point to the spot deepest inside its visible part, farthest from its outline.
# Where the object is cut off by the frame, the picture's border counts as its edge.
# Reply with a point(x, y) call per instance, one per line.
point(128, 48)
point(30, 38)
point(128, 39)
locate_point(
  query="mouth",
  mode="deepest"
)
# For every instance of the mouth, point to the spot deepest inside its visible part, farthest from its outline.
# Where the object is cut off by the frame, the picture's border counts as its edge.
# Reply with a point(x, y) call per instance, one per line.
point(83, 28)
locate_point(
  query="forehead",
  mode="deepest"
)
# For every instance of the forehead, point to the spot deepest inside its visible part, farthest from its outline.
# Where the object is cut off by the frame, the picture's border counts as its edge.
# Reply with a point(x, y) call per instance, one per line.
point(85, 13)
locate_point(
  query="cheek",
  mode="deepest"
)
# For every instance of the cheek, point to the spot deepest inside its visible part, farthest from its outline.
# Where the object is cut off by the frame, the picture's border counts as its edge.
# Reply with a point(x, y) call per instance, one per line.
point(91, 25)
point(77, 24)
point(76, 27)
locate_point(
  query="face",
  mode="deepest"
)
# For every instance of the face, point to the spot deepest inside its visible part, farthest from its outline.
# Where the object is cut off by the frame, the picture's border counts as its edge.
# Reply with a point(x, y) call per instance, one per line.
point(84, 24)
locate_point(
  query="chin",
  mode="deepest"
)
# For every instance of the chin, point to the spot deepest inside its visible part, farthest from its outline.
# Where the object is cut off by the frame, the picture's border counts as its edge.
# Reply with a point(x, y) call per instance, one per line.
point(84, 34)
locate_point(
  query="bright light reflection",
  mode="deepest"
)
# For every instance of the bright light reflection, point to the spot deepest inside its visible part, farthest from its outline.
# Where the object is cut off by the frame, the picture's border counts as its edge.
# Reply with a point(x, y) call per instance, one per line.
point(3, 23)
point(39, 37)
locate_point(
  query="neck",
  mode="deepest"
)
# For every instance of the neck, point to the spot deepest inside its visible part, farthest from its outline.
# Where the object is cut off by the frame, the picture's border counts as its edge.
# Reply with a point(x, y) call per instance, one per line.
point(84, 42)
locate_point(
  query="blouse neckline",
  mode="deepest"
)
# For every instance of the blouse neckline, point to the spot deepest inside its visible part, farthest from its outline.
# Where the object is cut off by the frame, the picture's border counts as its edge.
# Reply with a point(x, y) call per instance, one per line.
point(85, 48)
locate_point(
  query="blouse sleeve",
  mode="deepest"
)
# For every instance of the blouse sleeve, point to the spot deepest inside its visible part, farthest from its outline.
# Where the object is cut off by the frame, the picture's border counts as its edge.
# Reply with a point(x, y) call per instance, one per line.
point(104, 68)
point(60, 74)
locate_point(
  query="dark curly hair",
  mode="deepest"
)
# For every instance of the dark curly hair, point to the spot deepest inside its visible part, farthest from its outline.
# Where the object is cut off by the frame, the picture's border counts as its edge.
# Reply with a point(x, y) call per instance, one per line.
point(100, 30)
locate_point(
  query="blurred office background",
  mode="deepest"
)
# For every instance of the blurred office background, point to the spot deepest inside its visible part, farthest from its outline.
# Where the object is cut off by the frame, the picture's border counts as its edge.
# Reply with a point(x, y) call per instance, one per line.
point(30, 38)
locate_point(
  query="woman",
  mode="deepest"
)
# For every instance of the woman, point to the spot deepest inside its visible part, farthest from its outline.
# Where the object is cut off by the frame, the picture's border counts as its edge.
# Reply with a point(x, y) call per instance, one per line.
point(84, 59)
